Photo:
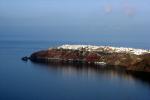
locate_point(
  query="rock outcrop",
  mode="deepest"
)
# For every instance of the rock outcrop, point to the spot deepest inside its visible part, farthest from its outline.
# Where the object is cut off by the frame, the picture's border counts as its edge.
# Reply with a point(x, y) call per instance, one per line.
point(128, 58)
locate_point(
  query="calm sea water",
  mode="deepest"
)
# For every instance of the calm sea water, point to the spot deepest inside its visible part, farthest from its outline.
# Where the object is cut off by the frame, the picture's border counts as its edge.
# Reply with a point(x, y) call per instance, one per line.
point(30, 81)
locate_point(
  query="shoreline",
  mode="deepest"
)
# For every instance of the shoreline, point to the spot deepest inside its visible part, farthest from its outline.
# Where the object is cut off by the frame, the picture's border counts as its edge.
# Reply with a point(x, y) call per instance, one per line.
point(128, 58)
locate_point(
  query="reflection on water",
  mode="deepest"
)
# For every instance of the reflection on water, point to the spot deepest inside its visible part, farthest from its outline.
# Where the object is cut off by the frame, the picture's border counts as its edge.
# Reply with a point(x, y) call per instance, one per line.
point(33, 81)
point(111, 72)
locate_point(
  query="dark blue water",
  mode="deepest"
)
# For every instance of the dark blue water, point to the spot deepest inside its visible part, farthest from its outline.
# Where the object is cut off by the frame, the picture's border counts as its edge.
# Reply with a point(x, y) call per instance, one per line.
point(31, 81)
point(27, 26)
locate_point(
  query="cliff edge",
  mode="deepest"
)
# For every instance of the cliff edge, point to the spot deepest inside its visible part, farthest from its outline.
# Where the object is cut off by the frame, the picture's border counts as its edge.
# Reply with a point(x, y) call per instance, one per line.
point(128, 58)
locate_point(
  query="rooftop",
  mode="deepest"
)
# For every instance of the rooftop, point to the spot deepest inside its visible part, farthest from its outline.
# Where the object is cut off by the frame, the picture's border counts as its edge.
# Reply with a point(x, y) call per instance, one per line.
point(105, 48)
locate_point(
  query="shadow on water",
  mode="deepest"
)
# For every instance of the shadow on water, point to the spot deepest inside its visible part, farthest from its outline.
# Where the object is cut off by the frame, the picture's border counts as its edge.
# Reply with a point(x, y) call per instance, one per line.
point(101, 70)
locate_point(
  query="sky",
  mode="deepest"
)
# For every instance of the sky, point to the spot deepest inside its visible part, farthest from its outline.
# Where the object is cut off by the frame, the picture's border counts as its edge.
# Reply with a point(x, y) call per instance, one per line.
point(75, 20)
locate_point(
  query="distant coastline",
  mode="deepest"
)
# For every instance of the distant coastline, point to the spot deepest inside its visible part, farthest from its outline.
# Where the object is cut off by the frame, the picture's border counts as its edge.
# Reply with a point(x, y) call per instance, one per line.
point(128, 58)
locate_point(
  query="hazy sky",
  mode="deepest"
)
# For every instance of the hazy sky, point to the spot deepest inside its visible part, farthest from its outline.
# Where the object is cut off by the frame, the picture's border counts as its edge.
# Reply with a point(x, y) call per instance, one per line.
point(125, 20)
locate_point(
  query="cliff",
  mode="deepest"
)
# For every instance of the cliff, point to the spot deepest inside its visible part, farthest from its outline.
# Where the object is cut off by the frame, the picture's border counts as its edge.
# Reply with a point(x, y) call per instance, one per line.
point(128, 58)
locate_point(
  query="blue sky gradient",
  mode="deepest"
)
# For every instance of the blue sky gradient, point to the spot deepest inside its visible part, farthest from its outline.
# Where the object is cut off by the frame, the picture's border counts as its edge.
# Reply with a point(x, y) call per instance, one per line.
point(75, 20)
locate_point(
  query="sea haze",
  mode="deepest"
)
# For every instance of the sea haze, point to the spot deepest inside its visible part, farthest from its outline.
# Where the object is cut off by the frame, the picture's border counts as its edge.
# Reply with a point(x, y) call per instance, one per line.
point(121, 21)
point(27, 26)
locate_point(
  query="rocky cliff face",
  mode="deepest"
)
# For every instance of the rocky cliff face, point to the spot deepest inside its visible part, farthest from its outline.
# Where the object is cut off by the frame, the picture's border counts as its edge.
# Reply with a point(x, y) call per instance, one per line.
point(129, 58)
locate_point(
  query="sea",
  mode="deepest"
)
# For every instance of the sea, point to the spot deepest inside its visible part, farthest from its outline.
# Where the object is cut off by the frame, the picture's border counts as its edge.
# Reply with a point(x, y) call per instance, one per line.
point(20, 80)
